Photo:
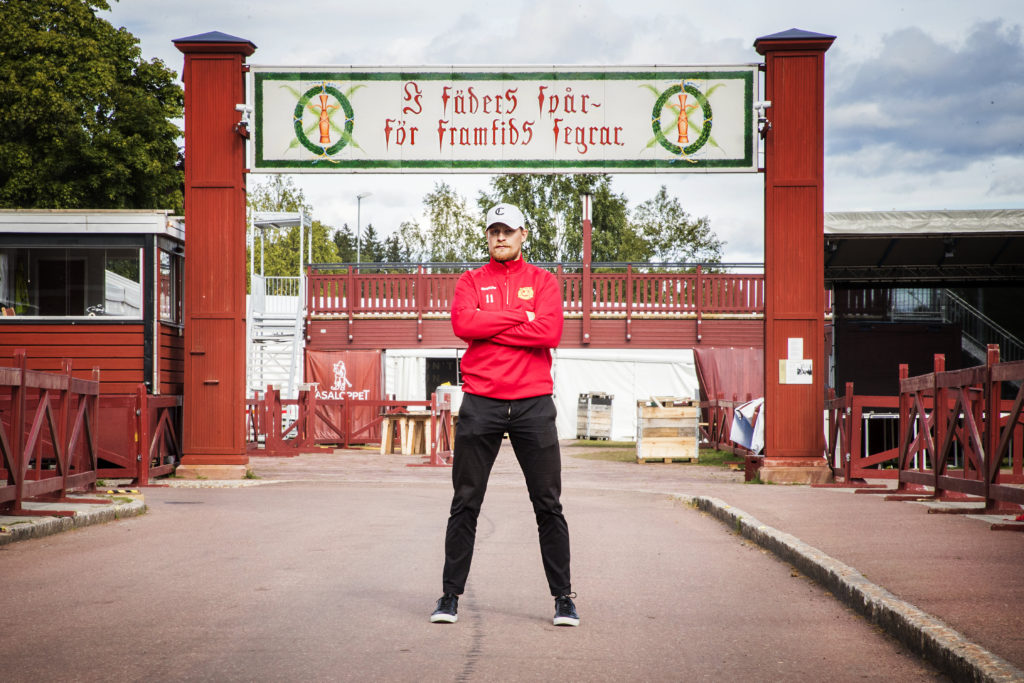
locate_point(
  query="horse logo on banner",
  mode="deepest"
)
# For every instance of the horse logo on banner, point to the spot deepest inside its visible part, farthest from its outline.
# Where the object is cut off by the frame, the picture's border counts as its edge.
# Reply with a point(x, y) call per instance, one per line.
point(340, 377)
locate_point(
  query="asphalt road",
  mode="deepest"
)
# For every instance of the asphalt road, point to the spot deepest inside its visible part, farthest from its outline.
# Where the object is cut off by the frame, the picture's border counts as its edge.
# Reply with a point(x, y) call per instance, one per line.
point(334, 577)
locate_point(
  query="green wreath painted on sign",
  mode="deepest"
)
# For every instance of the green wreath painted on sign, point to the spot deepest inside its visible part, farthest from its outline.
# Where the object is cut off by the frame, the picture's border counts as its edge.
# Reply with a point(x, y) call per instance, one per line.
point(705, 130)
point(325, 123)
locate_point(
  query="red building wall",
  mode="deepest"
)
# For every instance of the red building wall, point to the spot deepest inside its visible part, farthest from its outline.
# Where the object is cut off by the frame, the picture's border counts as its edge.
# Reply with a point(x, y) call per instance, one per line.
point(117, 350)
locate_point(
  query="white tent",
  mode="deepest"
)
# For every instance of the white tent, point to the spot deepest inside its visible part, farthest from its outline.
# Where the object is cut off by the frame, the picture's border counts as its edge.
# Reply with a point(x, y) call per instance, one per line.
point(629, 375)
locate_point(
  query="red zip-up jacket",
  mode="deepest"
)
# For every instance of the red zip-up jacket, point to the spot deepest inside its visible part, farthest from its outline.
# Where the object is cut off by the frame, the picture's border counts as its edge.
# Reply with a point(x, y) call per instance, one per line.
point(509, 356)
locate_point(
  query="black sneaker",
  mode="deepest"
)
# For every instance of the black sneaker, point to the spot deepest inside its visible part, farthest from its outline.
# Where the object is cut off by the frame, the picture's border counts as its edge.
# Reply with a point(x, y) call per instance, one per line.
point(565, 611)
point(447, 610)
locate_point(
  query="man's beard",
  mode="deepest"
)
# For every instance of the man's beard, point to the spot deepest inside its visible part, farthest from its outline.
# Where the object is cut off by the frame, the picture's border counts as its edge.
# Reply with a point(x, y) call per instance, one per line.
point(506, 255)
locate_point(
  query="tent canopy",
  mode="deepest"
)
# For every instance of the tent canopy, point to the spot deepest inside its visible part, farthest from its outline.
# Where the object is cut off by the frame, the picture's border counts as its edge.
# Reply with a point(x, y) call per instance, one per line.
point(907, 247)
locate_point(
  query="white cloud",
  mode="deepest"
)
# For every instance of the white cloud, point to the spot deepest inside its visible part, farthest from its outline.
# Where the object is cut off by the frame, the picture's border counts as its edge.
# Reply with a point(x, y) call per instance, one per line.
point(924, 109)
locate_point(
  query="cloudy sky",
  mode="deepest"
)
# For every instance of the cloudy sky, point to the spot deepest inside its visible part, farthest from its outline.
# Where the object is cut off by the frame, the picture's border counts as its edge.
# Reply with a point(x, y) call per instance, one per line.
point(924, 106)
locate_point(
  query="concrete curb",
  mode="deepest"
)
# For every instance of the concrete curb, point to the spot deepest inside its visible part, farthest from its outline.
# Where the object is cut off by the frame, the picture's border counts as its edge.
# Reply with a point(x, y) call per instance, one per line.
point(925, 635)
point(85, 515)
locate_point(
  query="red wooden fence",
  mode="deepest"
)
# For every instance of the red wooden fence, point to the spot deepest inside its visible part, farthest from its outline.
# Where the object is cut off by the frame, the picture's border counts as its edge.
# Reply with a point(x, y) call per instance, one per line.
point(716, 433)
point(627, 293)
point(267, 425)
point(850, 456)
point(150, 445)
point(47, 436)
point(968, 416)
point(716, 426)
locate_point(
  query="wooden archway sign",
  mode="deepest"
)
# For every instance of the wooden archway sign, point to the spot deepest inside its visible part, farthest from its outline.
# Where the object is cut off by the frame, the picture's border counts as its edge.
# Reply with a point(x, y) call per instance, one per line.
point(794, 243)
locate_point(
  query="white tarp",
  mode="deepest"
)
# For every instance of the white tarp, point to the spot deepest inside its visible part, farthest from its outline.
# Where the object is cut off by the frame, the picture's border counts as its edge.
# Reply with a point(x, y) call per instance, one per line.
point(629, 375)
point(748, 425)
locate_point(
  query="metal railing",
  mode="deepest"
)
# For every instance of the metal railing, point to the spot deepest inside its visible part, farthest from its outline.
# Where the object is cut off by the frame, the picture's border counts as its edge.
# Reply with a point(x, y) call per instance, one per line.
point(979, 328)
point(925, 304)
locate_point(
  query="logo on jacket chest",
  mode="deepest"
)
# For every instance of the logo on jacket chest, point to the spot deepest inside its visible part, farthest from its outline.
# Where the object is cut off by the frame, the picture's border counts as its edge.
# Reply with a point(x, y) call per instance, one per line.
point(525, 293)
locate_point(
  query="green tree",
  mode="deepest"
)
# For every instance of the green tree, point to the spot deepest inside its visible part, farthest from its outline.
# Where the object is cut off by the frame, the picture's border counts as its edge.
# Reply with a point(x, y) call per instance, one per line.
point(279, 193)
point(671, 234)
point(345, 244)
point(455, 233)
point(371, 249)
point(280, 247)
point(394, 251)
point(85, 121)
point(554, 215)
point(413, 240)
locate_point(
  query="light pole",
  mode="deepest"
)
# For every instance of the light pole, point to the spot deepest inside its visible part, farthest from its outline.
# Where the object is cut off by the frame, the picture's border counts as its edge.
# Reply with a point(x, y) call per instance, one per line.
point(359, 223)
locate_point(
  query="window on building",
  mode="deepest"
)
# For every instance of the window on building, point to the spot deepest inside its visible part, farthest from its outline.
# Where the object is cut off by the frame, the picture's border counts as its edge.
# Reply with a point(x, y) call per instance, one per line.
point(170, 287)
point(71, 281)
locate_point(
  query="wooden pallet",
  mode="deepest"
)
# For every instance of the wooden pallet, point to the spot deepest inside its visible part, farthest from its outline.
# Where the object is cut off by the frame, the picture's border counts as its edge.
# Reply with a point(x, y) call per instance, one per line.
point(666, 449)
point(681, 458)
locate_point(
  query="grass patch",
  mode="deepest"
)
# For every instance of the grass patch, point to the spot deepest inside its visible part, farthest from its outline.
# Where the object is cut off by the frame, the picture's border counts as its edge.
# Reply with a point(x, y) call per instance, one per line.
point(715, 458)
point(608, 455)
point(625, 451)
point(602, 443)
point(249, 474)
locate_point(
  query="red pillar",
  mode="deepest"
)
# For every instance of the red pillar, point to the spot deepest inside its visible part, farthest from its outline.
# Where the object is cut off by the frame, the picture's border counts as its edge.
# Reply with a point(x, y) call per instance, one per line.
point(586, 294)
point(794, 246)
point(213, 439)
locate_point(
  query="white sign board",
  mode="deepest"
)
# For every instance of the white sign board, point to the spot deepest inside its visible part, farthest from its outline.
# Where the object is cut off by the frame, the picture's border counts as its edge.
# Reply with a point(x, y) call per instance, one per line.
point(504, 120)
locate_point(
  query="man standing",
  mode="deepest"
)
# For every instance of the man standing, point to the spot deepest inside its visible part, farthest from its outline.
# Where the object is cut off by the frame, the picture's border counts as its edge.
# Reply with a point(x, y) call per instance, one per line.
point(510, 314)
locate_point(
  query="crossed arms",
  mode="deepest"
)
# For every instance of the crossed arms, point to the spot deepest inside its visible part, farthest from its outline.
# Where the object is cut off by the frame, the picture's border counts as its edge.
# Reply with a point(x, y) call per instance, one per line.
point(510, 327)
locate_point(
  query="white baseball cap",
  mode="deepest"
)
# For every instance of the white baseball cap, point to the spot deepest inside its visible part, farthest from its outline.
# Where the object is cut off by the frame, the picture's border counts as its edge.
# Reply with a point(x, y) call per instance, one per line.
point(506, 214)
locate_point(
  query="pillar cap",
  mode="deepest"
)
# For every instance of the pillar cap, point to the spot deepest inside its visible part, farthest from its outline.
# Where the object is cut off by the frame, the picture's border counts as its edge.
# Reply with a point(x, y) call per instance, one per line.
point(794, 38)
point(214, 41)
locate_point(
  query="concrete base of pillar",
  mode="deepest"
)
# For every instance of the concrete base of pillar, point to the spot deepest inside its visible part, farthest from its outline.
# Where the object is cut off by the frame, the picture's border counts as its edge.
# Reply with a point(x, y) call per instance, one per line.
point(211, 471)
point(796, 475)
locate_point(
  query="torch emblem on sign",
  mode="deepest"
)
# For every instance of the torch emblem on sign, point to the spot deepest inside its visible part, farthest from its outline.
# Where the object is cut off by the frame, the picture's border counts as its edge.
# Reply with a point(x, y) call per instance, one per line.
point(319, 119)
point(685, 113)
point(325, 119)
point(683, 118)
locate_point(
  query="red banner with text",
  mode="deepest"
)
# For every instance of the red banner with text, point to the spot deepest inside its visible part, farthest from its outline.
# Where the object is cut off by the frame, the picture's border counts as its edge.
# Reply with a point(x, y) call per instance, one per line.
point(343, 376)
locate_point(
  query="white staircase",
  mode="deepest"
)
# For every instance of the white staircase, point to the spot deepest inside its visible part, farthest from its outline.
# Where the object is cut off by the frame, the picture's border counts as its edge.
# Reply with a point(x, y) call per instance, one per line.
point(275, 338)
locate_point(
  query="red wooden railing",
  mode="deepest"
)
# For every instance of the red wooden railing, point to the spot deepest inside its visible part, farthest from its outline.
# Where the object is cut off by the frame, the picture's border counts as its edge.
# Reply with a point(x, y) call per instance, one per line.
point(967, 414)
point(47, 436)
point(154, 423)
point(716, 426)
point(716, 432)
point(268, 433)
point(851, 458)
point(627, 293)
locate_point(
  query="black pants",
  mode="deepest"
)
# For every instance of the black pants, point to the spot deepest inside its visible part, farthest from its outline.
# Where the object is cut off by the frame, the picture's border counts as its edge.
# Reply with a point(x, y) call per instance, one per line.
point(530, 424)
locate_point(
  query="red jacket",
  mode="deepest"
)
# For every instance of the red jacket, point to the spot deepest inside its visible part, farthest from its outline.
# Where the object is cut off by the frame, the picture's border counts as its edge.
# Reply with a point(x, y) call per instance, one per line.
point(509, 356)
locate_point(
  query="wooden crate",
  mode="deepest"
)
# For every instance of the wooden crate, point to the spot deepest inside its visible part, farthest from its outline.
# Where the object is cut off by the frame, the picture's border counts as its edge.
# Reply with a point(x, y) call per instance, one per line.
point(667, 430)
point(594, 416)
